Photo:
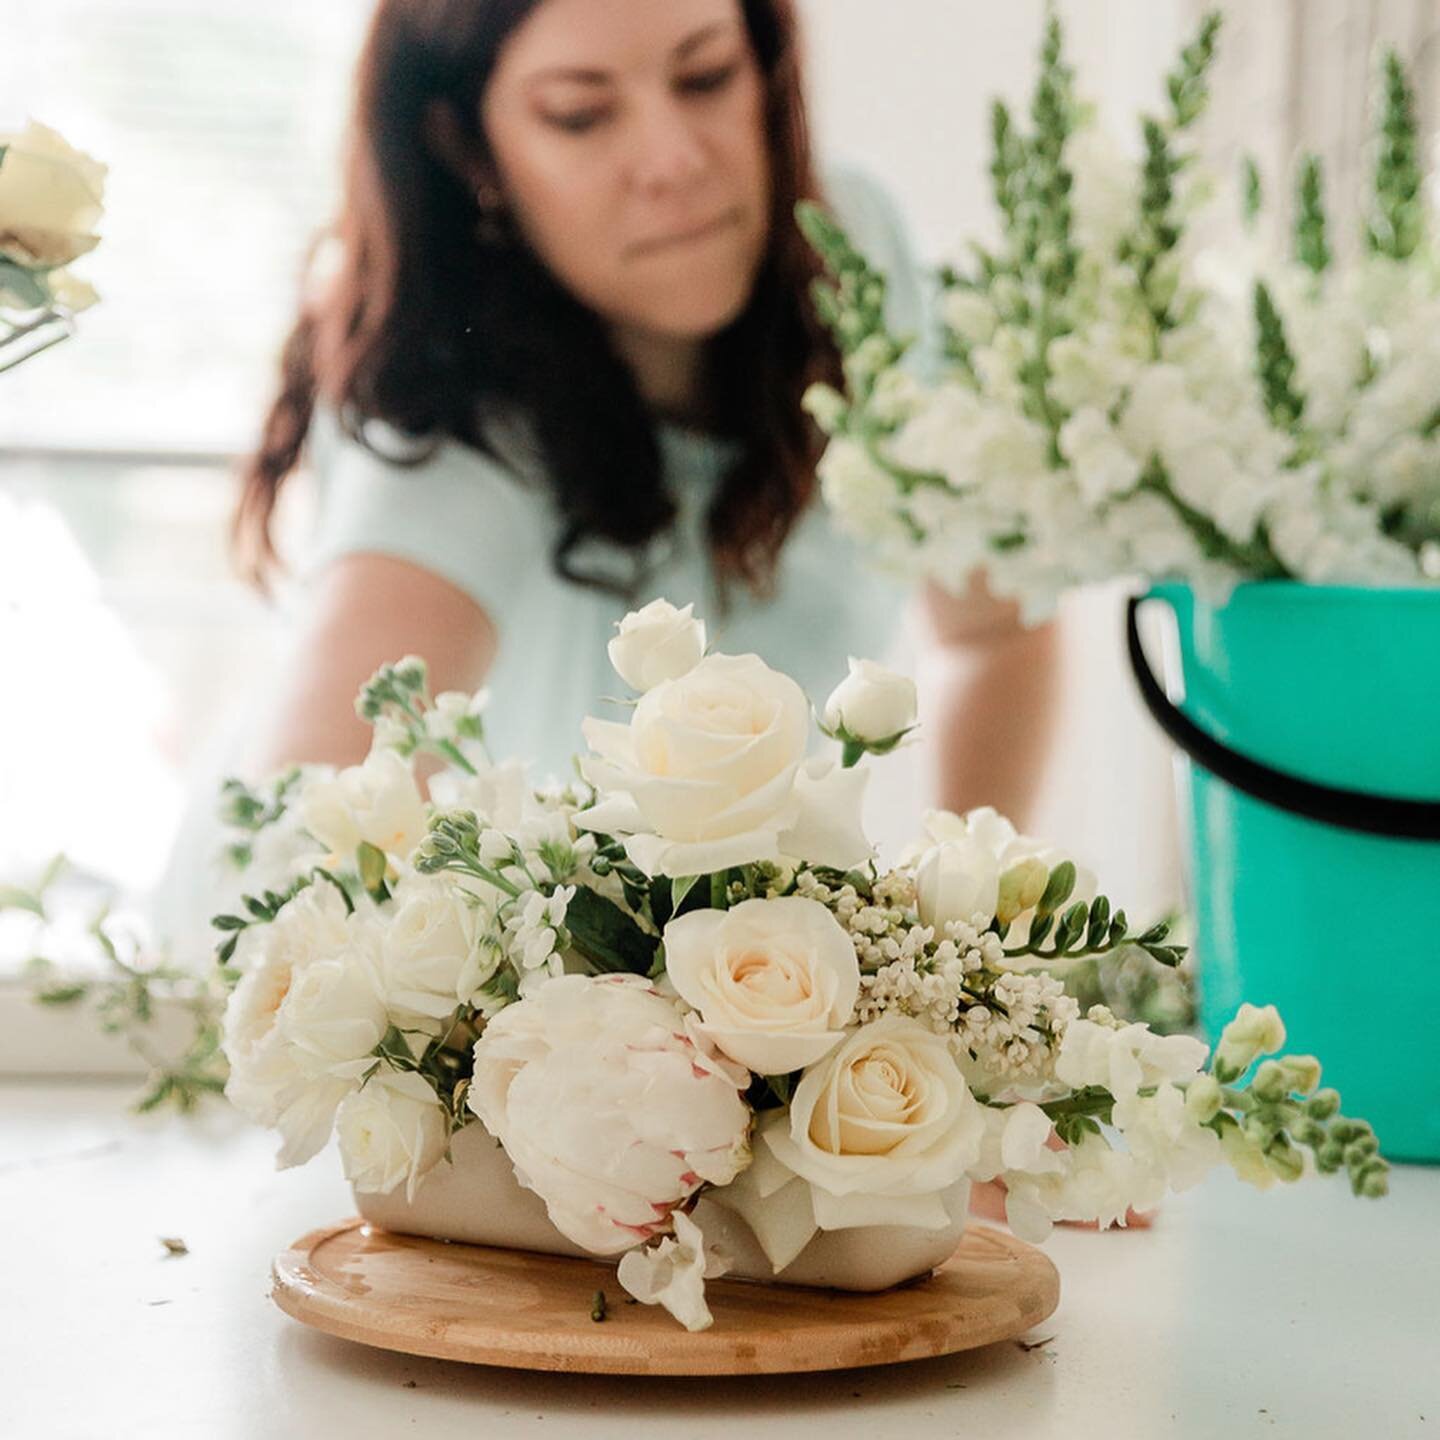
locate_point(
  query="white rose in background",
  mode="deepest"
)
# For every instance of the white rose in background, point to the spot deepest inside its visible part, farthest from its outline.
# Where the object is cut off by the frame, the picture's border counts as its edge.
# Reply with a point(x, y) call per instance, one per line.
point(376, 803)
point(51, 196)
point(609, 1111)
point(775, 981)
point(705, 774)
point(392, 1131)
point(872, 706)
point(673, 1273)
point(428, 950)
point(657, 643)
point(881, 1127)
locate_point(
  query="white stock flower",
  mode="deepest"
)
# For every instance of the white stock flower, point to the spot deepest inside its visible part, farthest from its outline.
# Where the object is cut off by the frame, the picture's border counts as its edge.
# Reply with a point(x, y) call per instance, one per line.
point(609, 1111)
point(498, 794)
point(391, 1131)
point(657, 643)
point(376, 802)
point(708, 774)
point(775, 981)
point(51, 196)
point(1125, 1060)
point(863, 497)
point(969, 314)
point(1105, 189)
point(453, 713)
point(1256, 1030)
point(1164, 1135)
point(428, 949)
point(872, 704)
point(880, 1127)
point(1091, 1181)
point(1101, 464)
point(673, 1273)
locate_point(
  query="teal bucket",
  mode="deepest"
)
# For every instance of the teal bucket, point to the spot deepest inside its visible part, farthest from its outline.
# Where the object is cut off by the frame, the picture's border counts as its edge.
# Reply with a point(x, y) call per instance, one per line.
point(1311, 720)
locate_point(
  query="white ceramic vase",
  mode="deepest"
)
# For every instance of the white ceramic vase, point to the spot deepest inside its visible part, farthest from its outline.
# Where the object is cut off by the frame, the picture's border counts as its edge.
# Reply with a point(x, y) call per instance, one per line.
point(477, 1199)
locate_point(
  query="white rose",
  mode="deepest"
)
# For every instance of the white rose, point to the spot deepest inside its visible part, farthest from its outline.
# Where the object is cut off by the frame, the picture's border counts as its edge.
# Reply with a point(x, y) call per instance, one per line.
point(50, 198)
point(334, 1014)
point(391, 1130)
point(377, 803)
point(871, 704)
point(673, 1274)
point(428, 950)
point(1125, 1060)
point(707, 763)
point(657, 643)
point(880, 1127)
point(775, 981)
point(609, 1111)
point(956, 880)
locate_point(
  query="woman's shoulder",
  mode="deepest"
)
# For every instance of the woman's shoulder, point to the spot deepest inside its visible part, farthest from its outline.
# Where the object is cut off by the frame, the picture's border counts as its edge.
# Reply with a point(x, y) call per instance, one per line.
point(470, 516)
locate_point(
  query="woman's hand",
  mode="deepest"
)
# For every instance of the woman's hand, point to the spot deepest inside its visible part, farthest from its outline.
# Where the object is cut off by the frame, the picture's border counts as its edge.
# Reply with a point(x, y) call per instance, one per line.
point(366, 610)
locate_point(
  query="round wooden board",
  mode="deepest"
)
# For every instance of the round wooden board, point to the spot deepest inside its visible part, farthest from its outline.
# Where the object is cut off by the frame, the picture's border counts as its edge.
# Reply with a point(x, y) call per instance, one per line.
point(516, 1308)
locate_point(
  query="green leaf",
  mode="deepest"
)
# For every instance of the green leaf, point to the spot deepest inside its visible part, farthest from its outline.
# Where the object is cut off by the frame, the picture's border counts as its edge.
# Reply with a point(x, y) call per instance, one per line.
point(609, 938)
point(12, 897)
point(62, 994)
point(680, 887)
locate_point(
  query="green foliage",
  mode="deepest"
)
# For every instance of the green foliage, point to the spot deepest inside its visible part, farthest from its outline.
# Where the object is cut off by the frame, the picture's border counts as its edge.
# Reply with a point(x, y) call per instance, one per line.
point(1252, 191)
point(607, 937)
point(1312, 248)
point(1275, 364)
point(1397, 220)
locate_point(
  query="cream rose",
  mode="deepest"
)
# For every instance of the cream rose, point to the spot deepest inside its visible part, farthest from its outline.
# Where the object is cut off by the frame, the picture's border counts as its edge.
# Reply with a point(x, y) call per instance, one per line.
point(376, 803)
point(881, 1127)
point(774, 981)
point(657, 643)
point(51, 196)
point(608, 1110)
point(428, 950)
point(872, 704)
point(707, 764)
point(392, 1131)
point(334, 1014)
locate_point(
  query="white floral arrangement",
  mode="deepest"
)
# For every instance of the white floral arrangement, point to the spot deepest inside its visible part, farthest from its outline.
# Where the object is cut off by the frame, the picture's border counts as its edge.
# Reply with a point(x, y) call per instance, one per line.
point(51, 199)
point(686, 974)
point(1114, 399)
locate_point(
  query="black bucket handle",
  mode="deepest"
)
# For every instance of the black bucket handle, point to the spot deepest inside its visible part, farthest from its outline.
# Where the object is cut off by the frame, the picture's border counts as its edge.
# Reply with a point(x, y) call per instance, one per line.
point(1358, 810)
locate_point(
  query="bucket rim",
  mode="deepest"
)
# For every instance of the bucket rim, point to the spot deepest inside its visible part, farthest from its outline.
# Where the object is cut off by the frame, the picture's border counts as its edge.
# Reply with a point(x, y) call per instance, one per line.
point(1303, 592)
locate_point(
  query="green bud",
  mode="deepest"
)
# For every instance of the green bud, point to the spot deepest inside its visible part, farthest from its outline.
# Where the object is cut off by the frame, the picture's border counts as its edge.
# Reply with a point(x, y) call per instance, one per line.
point(1330, 1156)
point(1271, 1082)
point(1374, 1185)
point(1285, 1161)
point(1361, 1149)
point(1302, 1073)
point(1253, 1032)
point(1323, 1104)
point(1021, 887)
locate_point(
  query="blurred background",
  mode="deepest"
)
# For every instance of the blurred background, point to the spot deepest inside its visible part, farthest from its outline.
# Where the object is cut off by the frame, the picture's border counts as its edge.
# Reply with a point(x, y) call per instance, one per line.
point(130, 652)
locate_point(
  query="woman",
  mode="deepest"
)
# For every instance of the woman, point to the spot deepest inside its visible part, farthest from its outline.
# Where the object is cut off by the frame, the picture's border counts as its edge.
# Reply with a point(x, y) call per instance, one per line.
point(558, 371)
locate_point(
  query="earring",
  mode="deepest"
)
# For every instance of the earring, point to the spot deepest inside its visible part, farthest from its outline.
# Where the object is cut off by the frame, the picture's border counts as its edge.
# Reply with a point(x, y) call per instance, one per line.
point(490, 228)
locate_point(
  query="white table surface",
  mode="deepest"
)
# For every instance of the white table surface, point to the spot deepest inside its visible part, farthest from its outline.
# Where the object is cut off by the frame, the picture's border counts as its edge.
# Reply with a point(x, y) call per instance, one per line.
point(1300, 1312)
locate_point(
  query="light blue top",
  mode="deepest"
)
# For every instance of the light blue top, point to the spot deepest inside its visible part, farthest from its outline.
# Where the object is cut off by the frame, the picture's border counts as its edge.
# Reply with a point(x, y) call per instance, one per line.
point(467, 518)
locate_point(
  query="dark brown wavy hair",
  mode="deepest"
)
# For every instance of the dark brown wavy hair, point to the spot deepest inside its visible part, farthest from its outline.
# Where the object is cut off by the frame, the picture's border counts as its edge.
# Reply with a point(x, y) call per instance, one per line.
point(423, 327)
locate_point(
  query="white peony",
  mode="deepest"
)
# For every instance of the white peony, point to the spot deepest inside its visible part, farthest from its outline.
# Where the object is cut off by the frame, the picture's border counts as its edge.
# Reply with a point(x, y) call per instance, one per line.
point(51, 196)
point(657, 643)
point(872, 704)
point(881, 1127)
point(609, 1111)
point(775, 981)
point(673, 1273)
point(1125, 1060)
point(705, 775)
point(376, 803)
point(392, 1131)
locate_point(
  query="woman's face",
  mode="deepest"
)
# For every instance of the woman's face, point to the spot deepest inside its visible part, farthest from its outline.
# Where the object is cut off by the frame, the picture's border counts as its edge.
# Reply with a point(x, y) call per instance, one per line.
point(630, 140)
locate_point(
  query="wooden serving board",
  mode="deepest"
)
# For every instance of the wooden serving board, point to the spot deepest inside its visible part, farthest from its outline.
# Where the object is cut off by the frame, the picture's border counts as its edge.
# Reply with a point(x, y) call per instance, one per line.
point(516, 1308)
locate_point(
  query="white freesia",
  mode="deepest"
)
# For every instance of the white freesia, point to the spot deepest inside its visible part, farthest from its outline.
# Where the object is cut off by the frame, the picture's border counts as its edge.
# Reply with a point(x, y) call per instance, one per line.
point(1126, 1059)
point(377, 803)
point(673, 1273)
point(880, 1127)
point(705, 774)
point(655, 643)
point(872, 704)
point(608, 1109)
point(392, 1131)
point(428, 951)
point(774, 981)
point(51, 196)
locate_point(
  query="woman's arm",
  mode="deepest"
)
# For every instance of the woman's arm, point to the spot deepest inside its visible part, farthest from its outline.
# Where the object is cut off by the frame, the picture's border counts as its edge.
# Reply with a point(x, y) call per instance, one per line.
point(366, 610)
point(994, 689)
